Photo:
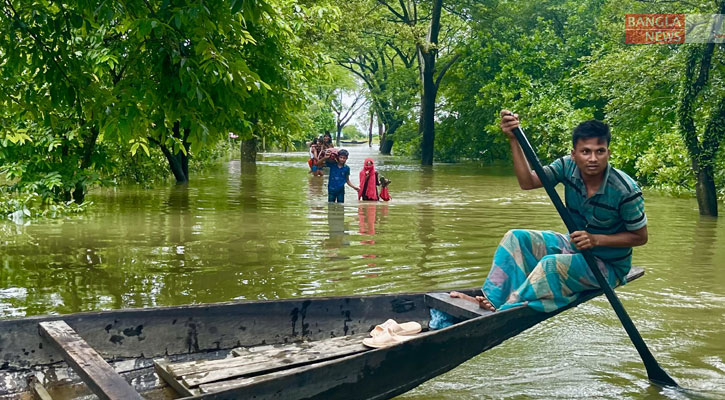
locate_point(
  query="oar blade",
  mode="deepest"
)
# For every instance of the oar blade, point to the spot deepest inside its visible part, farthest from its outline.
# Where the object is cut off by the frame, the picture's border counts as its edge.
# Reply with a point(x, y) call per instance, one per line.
point(659, 376)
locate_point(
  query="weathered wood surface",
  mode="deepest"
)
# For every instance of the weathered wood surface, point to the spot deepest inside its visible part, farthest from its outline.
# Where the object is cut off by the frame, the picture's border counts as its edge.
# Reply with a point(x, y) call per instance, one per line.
point(160, 331)
point(162, 370)
point(240, 383)
point(260, 360)
point(459, 308)
point(87, 363)
point(39, 391)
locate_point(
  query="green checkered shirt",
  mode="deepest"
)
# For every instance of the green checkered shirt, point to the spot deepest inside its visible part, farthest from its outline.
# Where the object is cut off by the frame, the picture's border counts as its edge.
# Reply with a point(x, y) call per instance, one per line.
point(616, 207)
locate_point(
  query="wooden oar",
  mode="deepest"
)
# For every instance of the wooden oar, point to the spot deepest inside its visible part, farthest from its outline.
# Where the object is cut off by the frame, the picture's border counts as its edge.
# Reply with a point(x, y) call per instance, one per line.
point(655, 373)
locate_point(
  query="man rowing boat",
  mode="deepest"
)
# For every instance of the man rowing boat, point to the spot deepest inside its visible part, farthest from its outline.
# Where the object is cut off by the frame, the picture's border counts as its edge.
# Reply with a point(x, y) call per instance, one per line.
point(544, 269)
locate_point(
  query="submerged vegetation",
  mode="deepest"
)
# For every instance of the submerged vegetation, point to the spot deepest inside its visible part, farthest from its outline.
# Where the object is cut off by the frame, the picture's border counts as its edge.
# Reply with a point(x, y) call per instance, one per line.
point(141, 91)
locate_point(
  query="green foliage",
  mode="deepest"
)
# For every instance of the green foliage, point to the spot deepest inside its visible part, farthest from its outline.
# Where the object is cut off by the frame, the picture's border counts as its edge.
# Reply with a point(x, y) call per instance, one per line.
point(91, 94)
point(35, 160)
point(665, 165)
point(87, 92)
point(381, 52)
point(317, 115)
point(521, 61)
point(352, 132)
point(23, 207)
point(638, 89)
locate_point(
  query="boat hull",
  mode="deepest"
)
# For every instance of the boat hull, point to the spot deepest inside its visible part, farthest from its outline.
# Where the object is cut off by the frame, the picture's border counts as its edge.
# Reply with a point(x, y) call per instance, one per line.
point(131, 339)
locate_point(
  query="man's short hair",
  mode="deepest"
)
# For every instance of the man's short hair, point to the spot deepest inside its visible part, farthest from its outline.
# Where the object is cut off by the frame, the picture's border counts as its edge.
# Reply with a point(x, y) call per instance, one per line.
point(591, 129)
point(343, 152)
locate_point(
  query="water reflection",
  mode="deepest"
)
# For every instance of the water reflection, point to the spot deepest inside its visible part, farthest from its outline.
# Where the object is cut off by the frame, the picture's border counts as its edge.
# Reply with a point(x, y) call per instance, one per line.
point(248, 188)
point(316, 187)
point(424, 224)
point(367, 217)
point(336, 228)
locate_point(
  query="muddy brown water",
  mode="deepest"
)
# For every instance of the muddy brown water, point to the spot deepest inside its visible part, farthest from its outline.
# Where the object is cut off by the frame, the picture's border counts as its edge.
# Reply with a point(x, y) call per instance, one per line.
point(267, 232)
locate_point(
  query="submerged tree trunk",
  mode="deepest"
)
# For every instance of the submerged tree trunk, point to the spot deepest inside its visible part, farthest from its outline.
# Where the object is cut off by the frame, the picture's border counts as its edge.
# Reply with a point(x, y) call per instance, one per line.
point(426, 125)
point(388, 123)
point(387, 140)
point(427, 53)
point(706, 192)
point(702, 148)
point(179, 161)
point(175, 165)
point(79, 193)
point(386, 146)
point(249, 150)
point(370, 129)
point(185, 155)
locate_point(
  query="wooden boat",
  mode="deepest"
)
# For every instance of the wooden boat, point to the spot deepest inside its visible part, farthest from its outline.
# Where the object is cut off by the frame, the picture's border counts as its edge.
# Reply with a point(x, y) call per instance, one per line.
point(286, 349)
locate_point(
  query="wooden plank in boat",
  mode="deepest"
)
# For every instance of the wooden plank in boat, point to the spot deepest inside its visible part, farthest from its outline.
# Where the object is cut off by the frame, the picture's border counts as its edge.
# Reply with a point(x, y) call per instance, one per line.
point(39, 391)
point(246, 381)
point(249, 381)
point(459, 308)
point(271, 376)
point(257, 354)
point(162, 370)
point(465, 309)
point(289, 356)
point(255, 361)
point(100, 377)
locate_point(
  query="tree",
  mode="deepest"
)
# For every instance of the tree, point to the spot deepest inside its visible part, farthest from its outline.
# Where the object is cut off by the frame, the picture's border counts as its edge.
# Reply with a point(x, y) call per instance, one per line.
point(382, 56)
point(523, 61)
point(54, 91)
point(176, 76)
point(198, 71)
point(702, 147)
point(427, 50)
point(669, 139)
point(345, 112)
point(427, 54)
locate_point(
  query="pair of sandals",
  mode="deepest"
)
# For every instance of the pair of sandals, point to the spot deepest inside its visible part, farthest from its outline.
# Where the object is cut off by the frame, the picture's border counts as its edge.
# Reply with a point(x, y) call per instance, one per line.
point(390, 332)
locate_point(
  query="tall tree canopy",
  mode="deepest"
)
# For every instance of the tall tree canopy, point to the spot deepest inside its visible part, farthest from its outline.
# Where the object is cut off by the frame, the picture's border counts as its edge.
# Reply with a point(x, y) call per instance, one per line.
point(177, 75)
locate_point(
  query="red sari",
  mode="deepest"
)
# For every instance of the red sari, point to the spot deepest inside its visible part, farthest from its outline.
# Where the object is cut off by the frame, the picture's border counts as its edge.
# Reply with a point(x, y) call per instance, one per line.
point(368, 181)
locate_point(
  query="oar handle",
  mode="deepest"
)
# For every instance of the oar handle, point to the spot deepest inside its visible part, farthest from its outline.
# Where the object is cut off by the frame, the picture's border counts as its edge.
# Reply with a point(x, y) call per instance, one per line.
point(654, 372)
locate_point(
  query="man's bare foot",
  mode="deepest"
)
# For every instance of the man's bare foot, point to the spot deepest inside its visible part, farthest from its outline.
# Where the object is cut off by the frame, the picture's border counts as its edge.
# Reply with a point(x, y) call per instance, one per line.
point(482, 301)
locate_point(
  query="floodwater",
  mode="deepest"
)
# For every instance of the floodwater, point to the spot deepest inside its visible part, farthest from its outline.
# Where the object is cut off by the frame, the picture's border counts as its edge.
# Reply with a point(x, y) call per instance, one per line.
point(267, 232)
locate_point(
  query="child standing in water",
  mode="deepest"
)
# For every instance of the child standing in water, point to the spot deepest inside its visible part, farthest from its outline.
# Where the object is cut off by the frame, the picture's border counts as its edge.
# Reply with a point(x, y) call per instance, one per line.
point(339, 175)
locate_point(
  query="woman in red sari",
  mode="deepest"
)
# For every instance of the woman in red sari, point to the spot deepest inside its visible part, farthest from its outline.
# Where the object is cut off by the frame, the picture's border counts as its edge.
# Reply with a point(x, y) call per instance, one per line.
point(368, 181)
